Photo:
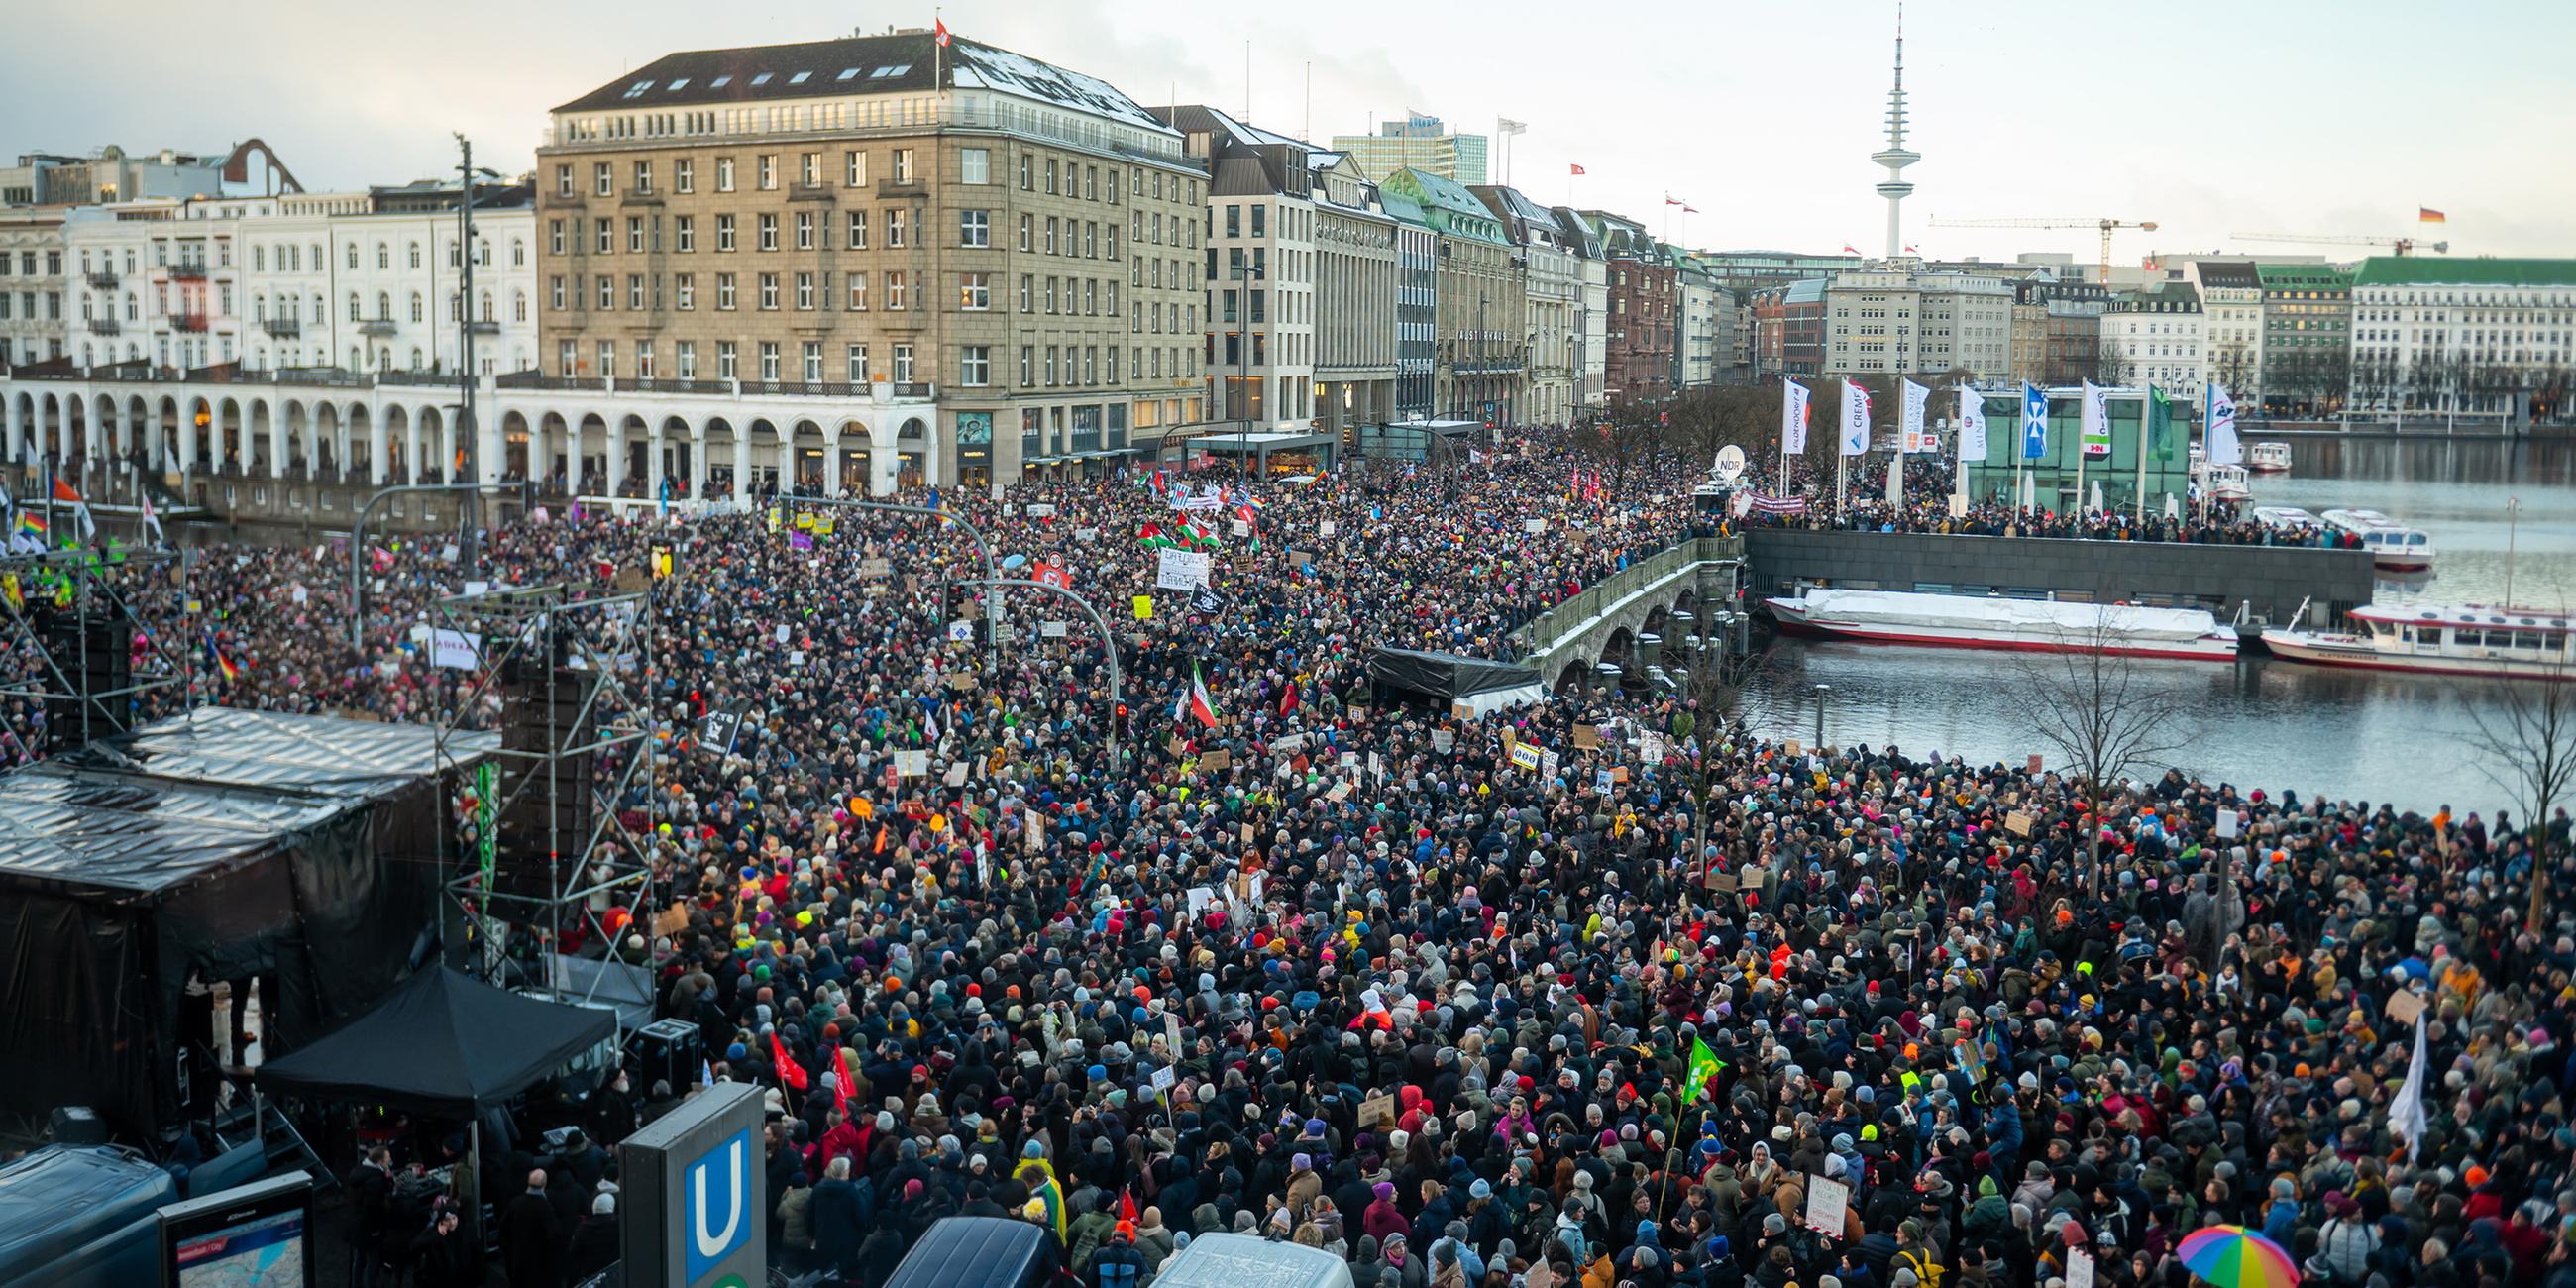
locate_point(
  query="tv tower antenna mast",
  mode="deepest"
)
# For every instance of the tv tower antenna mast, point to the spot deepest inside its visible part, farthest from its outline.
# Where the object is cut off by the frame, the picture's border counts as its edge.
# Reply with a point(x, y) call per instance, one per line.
point(1895, 156)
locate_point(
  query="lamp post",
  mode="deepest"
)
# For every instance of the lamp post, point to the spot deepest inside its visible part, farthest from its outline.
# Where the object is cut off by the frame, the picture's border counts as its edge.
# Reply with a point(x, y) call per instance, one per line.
point(466, 172)
point(982, 548)
point(1823, 692)
point(1108, 644)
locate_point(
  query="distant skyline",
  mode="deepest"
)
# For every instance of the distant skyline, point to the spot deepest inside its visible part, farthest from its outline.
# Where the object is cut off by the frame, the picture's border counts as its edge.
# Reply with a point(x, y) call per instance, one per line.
point(2211, 118)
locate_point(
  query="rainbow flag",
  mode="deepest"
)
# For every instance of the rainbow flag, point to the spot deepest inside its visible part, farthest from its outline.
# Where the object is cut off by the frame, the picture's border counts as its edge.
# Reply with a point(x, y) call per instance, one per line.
point(31, 523)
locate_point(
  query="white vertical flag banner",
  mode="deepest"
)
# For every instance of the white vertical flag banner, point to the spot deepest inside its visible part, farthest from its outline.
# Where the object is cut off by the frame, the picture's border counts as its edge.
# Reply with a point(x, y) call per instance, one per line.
point(1972, 425)
point(1855, 419)
point(2406, 1117)
point(2223, 448)
point(1911, 436)
point(1793, 417)
point(2034, 422)
point(2097, 421)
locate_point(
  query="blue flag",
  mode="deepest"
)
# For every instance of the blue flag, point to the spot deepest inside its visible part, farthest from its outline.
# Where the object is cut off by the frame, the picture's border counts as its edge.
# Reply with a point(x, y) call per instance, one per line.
point(2034, 422)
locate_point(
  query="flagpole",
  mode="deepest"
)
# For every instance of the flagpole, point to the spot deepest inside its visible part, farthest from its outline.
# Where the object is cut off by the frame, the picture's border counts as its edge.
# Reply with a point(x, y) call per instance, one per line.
point(2146, 414)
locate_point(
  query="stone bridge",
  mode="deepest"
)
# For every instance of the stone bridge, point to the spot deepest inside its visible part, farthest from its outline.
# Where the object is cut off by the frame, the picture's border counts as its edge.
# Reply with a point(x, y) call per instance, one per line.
point(1616, 619)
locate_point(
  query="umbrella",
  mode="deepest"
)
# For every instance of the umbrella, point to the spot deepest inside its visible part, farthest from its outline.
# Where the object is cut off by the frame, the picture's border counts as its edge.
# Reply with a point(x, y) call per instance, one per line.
point(2232, 1256)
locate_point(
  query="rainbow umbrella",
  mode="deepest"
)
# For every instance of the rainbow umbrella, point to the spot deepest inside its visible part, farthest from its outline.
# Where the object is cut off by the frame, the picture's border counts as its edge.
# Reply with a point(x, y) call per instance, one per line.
point(2232, 1256)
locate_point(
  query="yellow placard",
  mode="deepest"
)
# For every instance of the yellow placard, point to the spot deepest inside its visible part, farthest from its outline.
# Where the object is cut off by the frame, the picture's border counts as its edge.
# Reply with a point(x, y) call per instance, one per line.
point(1144, 608)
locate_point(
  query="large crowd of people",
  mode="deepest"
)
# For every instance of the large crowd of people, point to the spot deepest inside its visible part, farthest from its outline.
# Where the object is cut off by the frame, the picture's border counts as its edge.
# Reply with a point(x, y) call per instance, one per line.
point(1680, 1005)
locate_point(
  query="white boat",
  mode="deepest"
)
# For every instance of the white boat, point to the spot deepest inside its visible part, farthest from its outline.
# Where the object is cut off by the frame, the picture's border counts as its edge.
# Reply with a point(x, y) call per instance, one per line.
point(2037, 625)
point(2268, 458)
point(2440, 639)
point(2220, 482)
point(2392, 545)
point(2286, 516)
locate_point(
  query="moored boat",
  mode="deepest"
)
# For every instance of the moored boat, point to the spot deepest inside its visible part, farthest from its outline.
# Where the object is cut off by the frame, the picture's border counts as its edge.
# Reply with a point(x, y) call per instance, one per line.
point(1967, 621)
point(2392, 545)
point(2440, 639)
point(2220, 482)
point(2268, 458)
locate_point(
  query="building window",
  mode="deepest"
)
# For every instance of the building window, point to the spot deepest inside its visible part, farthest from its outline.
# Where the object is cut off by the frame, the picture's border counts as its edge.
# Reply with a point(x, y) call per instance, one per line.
point(813, 362)
point(635, 291)
point(894, 290)
point(643, 359)
point(643, 176)
point(607, 293)
point(1025, 165)
point(854, 169)
point(856, 360)
point(894, 230)
point(603, 235)
point(1028, 231)
point(684, 233)
point(601, 182)
point(974, 165)
point(1027, 290)
point(684, 178)
point(903, 364)
point(1050, 176)
point(684, 291)
point(804, 230)
point(769, 291)
point(563, 185)
point(724, 232)
point(415, 306)
point(972, 293)
point(858, 234)
point(768, 232)
point(809, 171)
point(975, 366)
point(805, 292)
point(724, 291)
point(684, 353)
point(728, 362)
point(1028, 365)
point(634, 235)
point(768, 182)
point(769, 361)
point(903, 165)
point(607, 358)
point(974, 228)
point(724, 174)
point(858, 292)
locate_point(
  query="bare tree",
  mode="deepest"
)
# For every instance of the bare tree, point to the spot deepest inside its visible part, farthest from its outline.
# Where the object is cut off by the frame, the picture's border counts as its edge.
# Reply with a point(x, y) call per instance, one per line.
point(2526, 745)
point(1716, 688)
point(2090, 706)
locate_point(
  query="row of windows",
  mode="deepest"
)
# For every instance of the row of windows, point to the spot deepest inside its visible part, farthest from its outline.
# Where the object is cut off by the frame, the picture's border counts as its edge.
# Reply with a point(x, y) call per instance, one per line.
point(1093, 297)
point(809, 230)
point(1040, 366)
point(1065, 177)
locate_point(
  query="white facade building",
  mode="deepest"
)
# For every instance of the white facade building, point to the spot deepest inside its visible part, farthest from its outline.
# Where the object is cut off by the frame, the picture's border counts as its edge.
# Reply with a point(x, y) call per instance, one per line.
point(2475, 336)
point(1901, 321)
point(2158, 337)
point(32, 286)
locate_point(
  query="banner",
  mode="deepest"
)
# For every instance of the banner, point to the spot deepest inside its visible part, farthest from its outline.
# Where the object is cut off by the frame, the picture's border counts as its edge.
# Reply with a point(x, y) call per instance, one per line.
point(2034, 422)
point(1793, 416)
point(455, 649)
point(2223, 447)
point(1855, 419)
point(2096, 423)
point(1181, 569)
point(1911, 436)
point(1972, 425)
point(2159, 424)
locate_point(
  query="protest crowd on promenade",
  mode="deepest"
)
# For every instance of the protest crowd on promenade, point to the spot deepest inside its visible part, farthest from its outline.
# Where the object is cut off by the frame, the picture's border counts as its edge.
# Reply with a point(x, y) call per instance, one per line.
point(1306, 963)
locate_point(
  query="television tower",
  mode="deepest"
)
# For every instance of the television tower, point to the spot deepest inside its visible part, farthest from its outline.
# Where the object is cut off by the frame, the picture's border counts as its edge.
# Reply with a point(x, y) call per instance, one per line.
point(1895, 156)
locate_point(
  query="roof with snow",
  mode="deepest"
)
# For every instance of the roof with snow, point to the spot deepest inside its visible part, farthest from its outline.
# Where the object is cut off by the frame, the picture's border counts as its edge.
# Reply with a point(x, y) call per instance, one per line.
point(901, 62)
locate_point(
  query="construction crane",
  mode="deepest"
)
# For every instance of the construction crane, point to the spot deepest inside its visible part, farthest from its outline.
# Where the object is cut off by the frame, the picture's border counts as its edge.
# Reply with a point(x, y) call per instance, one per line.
point(2108, 226)
point(2401, 245)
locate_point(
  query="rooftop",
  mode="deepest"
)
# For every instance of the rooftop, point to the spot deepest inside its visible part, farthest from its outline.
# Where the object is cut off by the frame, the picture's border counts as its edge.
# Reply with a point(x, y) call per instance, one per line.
point(2421, 270)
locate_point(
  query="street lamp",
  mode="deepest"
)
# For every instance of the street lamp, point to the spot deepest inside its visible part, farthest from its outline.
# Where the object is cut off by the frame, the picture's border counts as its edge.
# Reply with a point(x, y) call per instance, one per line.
point(1823, 692)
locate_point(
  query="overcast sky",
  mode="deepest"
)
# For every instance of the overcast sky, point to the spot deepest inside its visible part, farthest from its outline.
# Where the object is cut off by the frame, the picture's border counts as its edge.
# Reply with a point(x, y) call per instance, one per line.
point(2213, 117)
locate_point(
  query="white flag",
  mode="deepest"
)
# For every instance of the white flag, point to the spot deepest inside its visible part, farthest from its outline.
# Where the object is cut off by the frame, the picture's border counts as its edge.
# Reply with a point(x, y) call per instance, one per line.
point(1855, 419)
point(151, 520)
point(2096, 422)
point(2406, 1119)
point(1793, 417)
point(1910, 434)
point(2223, 447)
point(1972, 425)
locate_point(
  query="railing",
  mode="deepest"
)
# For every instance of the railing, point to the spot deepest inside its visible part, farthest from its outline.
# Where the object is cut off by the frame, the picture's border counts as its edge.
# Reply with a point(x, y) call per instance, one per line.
point(669, 386)
point(539, 380)
point(376, 326)
point(554, 200)
point(812, 192)
point(105, 326)
point(641, 197)
point(1557, 624)
point(187, 272)
point(902, 188)
point(444, 378)
point(187, 321)
point(282, 327)
point(104, 279)
point(988, 114)
point(915, 389)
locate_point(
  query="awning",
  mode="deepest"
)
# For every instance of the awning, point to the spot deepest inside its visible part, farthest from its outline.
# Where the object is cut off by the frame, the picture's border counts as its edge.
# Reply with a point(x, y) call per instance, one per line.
point(440, 1043)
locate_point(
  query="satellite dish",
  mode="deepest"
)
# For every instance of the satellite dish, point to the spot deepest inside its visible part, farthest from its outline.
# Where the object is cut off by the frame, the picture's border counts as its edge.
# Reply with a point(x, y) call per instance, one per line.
point(1730, 463)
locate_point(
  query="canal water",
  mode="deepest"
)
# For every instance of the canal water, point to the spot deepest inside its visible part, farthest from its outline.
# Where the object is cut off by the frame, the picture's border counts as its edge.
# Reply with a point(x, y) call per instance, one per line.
point(2262, 722)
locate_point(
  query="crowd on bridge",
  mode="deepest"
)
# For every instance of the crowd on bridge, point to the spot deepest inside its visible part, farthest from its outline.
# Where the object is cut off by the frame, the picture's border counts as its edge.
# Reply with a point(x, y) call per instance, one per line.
point(1665, 1003)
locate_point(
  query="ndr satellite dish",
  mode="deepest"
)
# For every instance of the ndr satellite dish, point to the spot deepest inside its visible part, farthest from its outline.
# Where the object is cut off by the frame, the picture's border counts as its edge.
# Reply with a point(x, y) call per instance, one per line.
point(1730, 463)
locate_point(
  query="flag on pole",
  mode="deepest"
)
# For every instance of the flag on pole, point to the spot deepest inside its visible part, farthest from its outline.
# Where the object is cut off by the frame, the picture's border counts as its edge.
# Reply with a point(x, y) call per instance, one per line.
point(2223, 447)
point(2159, 424)
point(1855, 419)
point(939, 31)
point(2406, 1118)
point(841, 1080)
point(1704, 1065)
point(1972, 425)
point(2427, 214)
point(1911, 436)
point(790, 1073)
point(2096, 423)
point(2034, 422)
point(64, 494)
point(1793, 417)
point(1201, 705)
point(1671, 200)
point(1850, 249)
point(151, 518)
point(1576, 169)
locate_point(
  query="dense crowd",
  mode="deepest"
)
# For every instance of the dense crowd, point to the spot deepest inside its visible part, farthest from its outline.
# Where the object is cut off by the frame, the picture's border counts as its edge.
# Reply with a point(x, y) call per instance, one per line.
point(1925, 507)
point(1342, 971)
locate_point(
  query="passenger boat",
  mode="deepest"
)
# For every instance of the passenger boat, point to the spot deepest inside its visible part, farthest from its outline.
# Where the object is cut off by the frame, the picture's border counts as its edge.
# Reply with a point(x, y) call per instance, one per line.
point(2465, 639)
point(2038, 625)
point(2268, 458)
point(2392, 545)
point(2220, 482)
point(2287, 517)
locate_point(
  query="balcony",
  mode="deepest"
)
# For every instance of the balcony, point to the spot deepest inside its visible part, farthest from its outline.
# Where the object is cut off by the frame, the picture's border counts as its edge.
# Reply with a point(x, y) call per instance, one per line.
point(104, 280)
point(105, 326)
point(921, 389)
point(484, 326)
point(187, 321)
point(562, 201)
point(812, 192)
point(282, 328)
point(909, 321)
point(187, 272)
point(540, 380)
point(376, 326)
point(667, 386)
point(424, 377)
point(902, 188)
point(640, 197)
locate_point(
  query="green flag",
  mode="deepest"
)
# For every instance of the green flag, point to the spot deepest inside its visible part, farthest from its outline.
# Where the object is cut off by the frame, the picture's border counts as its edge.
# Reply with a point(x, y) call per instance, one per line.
point(2159, 424)
point(1704, 1065)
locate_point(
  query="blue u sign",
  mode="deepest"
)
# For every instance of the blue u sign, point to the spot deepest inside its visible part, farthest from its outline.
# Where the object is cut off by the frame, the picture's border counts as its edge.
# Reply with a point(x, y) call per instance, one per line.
point(715, 1205)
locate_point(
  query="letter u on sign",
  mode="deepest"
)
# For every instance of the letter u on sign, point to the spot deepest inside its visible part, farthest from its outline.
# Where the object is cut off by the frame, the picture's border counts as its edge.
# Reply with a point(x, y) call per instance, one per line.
point(715, 1205)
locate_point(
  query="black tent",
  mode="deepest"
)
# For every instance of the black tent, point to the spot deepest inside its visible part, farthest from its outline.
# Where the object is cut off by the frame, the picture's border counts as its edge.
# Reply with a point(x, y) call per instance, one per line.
point(440, 1043)
point(1444, 678)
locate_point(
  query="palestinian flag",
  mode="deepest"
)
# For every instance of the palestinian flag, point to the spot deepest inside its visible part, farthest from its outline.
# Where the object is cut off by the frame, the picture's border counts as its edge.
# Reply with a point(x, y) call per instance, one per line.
point(1151, 537)
point(1201, 705)
point(1198, 536)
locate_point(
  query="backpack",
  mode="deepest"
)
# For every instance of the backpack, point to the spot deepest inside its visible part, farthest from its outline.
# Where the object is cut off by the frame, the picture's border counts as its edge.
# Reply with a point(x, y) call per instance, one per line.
point(1927, 1272)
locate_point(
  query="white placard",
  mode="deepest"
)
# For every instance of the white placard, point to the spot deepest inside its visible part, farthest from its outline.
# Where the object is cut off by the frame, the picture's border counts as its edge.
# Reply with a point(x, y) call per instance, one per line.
point(455, 649)
point(914, 763)
point(1181, 569)
point(1826, 1201)
point(477, 587)
point(1041, 510)
point(1238, 528)
point(299, 594)
point(796, 657)
point(1163, 1080)
point(781, 633)
point(2079, 1268)
point(447, 553)
point(1327, 528)
point(1086, 534)
point(1533, 525)
point(959, 632)
point(1051, 630)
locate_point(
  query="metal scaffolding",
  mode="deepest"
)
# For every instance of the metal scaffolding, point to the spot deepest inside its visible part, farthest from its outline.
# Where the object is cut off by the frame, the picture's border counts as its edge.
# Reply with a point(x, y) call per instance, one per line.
point(579, 664)
point(82, 591)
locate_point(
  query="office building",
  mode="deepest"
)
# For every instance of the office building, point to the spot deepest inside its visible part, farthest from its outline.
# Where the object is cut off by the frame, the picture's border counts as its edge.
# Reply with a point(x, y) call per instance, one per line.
point(1417, 143)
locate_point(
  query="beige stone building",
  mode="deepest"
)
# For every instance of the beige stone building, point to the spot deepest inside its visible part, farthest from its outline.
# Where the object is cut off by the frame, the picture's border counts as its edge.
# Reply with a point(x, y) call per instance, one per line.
point(960, 263)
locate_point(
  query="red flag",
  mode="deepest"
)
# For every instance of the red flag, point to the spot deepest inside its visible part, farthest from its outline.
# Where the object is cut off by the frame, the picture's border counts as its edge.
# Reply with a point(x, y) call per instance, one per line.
point(2428, 215)
point(1689, 209)
point(1577, 169)
point(1054, 575)
point(841, 1080)
point(789, 1072)
point(1850, 249)
point(1127, 1205)
point(1288, 699)
point(1671, 200)
point(64, 492)
point(940, 31)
